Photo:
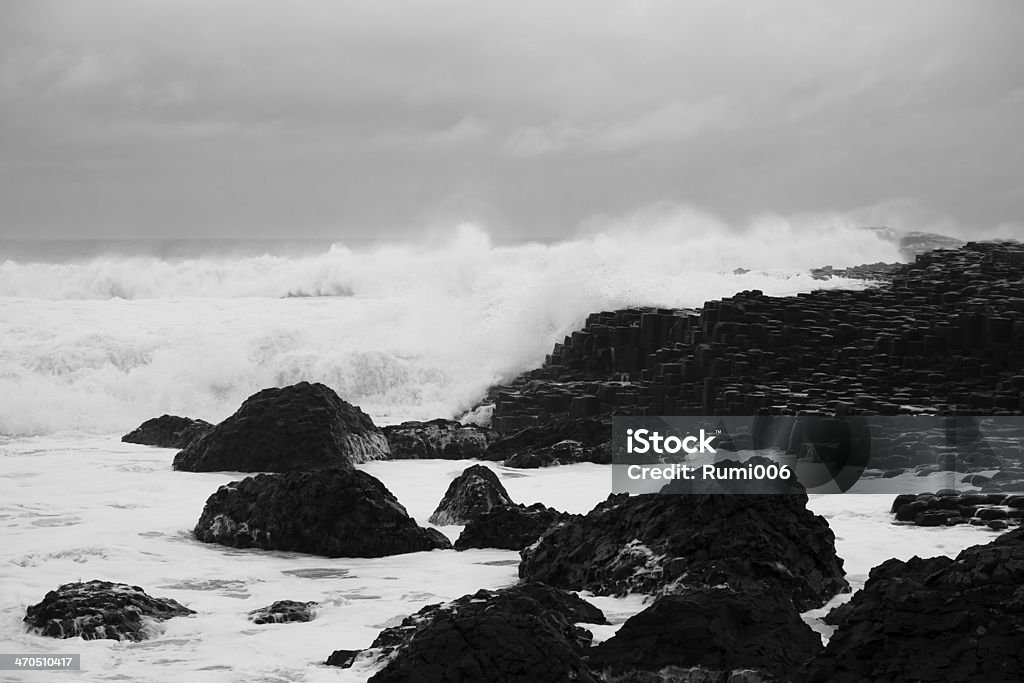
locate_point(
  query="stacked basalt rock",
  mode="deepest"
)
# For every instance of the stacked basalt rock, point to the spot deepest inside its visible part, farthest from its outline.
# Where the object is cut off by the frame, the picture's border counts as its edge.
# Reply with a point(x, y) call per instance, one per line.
point(945, 335)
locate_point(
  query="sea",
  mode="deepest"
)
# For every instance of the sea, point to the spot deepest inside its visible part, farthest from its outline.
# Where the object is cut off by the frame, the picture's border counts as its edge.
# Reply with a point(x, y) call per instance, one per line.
point(97, 336)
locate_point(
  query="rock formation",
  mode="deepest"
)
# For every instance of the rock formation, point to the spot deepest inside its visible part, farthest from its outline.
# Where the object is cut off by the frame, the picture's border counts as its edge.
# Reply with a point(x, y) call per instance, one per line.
point(337, 513)
point(168, 431)
point(936, 619)
point(440, 439)
point(526, 633)
point(511, 527)
point(472, 493)
point(674, 543)
point(284, 611)
point(96, 610)
point(300, 427)
point(716, 630)
point(946, 335)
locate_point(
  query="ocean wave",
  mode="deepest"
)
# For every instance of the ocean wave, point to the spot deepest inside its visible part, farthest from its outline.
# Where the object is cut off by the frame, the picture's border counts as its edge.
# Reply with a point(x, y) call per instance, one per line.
point(415, 332)
point(657, 243)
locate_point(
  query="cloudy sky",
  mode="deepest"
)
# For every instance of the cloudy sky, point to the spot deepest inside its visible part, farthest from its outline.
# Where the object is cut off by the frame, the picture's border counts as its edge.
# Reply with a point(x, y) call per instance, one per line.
point(263, 118)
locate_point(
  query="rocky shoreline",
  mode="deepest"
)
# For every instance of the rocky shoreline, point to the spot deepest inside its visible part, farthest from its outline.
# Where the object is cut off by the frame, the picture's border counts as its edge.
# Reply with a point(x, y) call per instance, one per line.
point(728, 575)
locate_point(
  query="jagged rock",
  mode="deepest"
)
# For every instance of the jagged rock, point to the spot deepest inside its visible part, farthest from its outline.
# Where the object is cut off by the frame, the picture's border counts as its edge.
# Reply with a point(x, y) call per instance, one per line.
point(96, 610)
point(284, 611)
point(526, 633)
point(472, 493)
point(950, 508)
point(300, 427)
point(589, 433)
point(565, 452)
point(168, 431)
point(337, 513)
point(717, 630)
point(672, 543)
point(439, 439)
point(511, 527)
point(935, 619)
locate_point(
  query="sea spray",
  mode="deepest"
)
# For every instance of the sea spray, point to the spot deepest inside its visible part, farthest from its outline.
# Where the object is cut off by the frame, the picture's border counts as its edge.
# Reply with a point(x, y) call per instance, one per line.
point(406, 331)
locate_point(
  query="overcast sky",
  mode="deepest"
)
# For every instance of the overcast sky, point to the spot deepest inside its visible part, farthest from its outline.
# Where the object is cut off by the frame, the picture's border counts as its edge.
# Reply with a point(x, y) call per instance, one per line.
point(263, 118)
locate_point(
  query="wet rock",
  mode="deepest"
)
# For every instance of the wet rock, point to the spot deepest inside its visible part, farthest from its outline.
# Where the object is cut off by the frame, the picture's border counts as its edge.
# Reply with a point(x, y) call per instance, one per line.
point(168, 431)
point(673, 543)
point(588, 433)
point(472, 493)
point(438, 439)
point(96, 610)
point(284, 611)
point(511, 527)
point(336, 513)
point(717, 630)
point(935, 619)
point(526, 633)
point(300, 427)
point(565, 452)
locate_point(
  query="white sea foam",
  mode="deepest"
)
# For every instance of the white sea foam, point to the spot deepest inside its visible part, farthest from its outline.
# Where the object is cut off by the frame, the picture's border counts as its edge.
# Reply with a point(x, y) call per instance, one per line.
point(416, 331)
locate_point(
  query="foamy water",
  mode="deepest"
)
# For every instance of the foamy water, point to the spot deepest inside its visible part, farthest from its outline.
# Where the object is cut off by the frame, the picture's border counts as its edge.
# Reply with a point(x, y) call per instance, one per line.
point(411, 331)
point(84, 508)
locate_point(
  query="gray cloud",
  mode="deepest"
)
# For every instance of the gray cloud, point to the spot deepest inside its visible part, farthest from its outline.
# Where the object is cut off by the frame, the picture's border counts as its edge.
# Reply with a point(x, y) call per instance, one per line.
point(135, 117)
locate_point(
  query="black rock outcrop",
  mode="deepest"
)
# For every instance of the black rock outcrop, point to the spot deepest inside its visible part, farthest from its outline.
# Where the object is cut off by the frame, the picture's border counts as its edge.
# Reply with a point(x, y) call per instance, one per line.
point(673, 543)
point(944, 335)
point(523, 634)
point(168, 431)
point(936, 619)
point(716, 630)
point(284, 611)
point(95, 610)
point(472, 493)
point(438, 439)
point(337, 513)
point(510, 527)
point(300, 427)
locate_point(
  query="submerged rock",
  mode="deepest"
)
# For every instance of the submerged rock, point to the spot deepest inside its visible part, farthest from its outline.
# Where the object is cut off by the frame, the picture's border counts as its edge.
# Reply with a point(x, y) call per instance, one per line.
point(337, 513)
point(438, 439)
point(168, 431)
point(935, 619)
point(673, 543)
point(526, 633)
point(717, 630)
point(284, 611)
point(511, 527)
point(96, 610)
point(471, 494)
point(300, 427)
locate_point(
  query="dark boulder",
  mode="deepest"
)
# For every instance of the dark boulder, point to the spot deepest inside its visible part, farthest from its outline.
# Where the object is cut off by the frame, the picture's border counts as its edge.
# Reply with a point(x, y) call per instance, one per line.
point(284, 611)
point(714, 629)
point(437, 439)
point(565, 452)
point(337, 513)
point(526, 633)
point(300, 427)
point(97, 610)
point(511, 527)
point(588, 432)
point(672, 543)
point(472, 493)
point(935, 619)
point(168, 431)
